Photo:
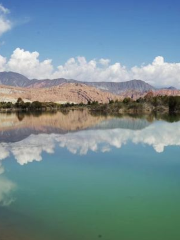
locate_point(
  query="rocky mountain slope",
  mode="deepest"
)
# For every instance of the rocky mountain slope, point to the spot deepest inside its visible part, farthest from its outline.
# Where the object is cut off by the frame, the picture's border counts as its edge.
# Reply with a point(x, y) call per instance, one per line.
point(14, 85)
point(120, 87)
point(67, 92)
point(13, 79)
point(18, 80)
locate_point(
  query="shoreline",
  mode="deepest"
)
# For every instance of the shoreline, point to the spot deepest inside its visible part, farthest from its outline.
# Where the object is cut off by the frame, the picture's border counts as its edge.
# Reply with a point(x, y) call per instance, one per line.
point(102, 108)
point(162, 104)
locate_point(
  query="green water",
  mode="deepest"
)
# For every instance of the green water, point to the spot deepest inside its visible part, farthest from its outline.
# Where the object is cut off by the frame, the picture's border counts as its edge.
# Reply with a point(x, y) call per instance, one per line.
point(116, 179)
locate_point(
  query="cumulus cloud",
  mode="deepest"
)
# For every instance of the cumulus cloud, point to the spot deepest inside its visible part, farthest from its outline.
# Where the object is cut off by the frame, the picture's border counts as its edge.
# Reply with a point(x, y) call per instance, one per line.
point(2, 63)
point(104, 62)
point(157, 73)
point(27, 63)
point(5, 23)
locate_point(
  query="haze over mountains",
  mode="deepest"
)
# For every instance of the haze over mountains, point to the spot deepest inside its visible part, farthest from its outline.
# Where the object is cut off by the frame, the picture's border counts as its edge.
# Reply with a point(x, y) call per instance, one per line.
point(15, 85)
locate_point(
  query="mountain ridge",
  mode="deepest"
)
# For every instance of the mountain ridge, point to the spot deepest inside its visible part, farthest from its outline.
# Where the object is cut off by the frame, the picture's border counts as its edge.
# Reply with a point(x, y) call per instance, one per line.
point(19, 80)
point(68, 92)
point(87, 91)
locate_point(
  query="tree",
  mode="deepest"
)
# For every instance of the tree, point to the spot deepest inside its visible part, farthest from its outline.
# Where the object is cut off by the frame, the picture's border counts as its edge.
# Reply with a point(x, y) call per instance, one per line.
point(111, 101)
point(19, 103)
point(36, 105)
point(126, 100)
point(174, 103)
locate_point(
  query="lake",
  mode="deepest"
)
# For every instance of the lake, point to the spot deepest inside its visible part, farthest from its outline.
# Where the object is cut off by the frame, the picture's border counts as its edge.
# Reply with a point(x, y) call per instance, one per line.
point(77, 176)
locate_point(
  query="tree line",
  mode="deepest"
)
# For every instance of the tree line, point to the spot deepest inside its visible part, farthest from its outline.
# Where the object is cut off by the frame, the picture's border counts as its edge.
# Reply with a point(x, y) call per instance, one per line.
point(171, 102)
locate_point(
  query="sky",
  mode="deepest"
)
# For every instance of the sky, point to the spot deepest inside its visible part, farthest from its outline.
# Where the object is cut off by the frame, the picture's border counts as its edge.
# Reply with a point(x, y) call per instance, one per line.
point(92, 40)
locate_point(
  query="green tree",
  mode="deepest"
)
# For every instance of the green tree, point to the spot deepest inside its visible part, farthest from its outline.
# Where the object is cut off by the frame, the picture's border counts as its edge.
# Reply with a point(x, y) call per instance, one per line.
point(36, 105)
point(19, 103)
point(174, 103)
point(126, 100)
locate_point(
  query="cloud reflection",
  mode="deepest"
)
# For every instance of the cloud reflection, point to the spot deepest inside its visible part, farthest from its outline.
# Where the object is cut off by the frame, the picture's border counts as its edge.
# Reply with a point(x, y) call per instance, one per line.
point(6, 189)
point(159, 135)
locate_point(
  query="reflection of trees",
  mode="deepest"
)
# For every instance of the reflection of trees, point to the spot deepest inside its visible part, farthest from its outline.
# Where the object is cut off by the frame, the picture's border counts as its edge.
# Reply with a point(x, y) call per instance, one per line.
point(80, 132)
point(168, 117)
point(20, 116)
point(72, 121)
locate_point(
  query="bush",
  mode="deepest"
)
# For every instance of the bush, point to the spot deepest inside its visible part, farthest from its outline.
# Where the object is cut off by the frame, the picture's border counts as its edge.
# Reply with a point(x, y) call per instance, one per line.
point(36, 105)
point(111, 101)
point(127, 100)
point(174, 103)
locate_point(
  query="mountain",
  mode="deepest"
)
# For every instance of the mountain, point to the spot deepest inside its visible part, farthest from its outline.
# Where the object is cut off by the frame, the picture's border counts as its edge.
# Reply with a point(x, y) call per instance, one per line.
point(67, 92)
point(113, 87)
point(132, 88)
point(164, 92)
point(13, 79)
point(171, 88)
point(18, 80)
point(120, 87)
point(47, 83)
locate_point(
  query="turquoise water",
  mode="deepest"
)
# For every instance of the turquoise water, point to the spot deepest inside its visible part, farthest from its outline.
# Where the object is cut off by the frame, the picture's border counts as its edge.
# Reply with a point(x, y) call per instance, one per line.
point(109, 178)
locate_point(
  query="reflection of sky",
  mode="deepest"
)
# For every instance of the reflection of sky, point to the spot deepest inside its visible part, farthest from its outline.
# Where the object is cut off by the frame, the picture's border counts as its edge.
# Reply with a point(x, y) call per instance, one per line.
point(6, 188)
point(158, 135)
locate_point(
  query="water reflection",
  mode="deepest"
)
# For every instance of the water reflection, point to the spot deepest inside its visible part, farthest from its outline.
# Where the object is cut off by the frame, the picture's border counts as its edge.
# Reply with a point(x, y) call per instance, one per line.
point(6, 189)
point(28, 136)
point(67, 198)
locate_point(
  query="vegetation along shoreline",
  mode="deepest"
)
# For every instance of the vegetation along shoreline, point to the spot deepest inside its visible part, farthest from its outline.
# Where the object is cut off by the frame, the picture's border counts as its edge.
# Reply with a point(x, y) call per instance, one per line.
point(148, 104)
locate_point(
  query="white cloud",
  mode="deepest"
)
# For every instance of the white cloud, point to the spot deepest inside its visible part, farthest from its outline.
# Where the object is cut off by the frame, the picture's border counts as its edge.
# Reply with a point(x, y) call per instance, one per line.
point(27, 63)
point(81, 69)
point(2, 63)
point(5, 23)
point(157, 73)
point(3, 9)
point(104, 62)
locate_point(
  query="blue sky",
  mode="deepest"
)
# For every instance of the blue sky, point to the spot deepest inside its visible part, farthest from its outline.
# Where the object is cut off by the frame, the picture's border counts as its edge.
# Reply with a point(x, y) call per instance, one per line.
point(131, 32)
point(125, 31)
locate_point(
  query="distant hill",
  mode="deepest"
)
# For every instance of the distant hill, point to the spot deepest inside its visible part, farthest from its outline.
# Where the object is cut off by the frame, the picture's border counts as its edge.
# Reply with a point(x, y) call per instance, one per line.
point(119, 88)
point(18, 80)
point(170, 88)
point(13, 79)
point(67, 92)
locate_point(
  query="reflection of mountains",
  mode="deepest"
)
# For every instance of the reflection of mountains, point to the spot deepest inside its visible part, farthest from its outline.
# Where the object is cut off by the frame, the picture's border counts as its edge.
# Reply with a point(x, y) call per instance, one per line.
point(123, 123)
point(14, 128)
point(159, 135)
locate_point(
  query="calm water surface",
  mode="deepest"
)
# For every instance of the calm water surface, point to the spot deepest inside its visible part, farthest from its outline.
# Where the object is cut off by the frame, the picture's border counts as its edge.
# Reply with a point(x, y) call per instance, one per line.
point(75, 176)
